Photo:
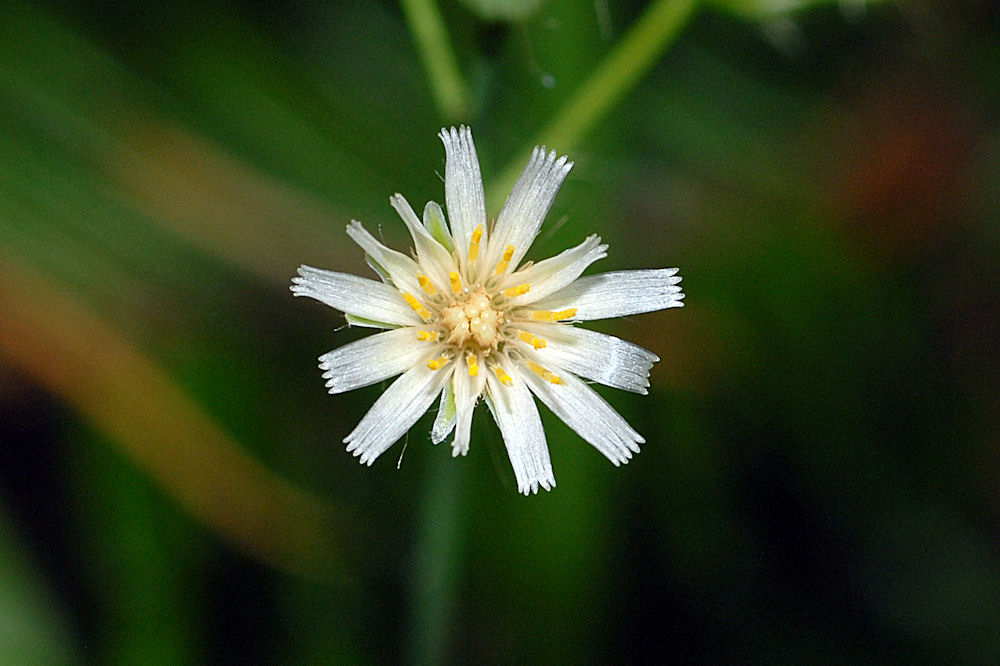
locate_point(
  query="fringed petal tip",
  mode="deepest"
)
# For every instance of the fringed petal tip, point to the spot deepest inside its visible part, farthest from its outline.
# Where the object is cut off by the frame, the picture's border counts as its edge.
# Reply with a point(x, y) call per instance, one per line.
point(458, 141)
point(544, 160)
point(622, 454)
point(625, 455)
point(363, 455)
point(673, 289)
point(531, 487)
point(366, 456)
point(299, 280)
point(453, 133)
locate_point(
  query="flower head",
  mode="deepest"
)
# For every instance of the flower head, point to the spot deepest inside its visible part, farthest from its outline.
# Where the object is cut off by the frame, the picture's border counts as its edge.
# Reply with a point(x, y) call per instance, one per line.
point(464, 319)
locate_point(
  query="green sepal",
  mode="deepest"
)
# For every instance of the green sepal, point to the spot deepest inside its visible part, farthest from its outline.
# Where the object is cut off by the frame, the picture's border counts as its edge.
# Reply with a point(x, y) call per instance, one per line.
point(355, 320)
point(436, 225)
point(378, 268)
point(444, 423)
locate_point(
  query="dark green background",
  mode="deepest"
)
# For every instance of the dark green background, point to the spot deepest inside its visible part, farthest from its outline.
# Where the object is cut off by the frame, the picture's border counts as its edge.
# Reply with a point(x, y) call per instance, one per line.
point(821, 473)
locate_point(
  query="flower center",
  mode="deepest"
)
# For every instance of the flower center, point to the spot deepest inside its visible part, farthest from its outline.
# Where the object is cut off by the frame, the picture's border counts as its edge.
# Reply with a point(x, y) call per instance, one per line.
point(473, 321)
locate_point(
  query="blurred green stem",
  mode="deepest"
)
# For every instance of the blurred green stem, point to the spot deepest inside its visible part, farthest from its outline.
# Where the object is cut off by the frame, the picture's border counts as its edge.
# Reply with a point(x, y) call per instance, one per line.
point(607, 85)
point(432, 42)
point(435, 562)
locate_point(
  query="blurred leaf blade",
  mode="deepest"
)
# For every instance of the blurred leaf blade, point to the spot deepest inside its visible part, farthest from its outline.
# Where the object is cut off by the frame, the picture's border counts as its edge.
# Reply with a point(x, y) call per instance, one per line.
point(31, 624)
point(606, 86)
point(434, 45)
point(60, 140)
point(71, 351)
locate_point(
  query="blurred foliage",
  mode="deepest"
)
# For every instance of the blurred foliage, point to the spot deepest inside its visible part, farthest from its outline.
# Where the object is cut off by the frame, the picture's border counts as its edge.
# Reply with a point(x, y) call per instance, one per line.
point(510, 10)
point(769, 9)
point(819, 482)
point(31, 627)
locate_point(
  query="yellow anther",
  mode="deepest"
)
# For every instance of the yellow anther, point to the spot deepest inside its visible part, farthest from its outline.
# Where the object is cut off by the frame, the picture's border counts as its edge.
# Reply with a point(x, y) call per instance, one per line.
point(424, 313)
point(535, 342)
point(437, 363)
point(474, 243)
point(472, 363)
point(518, 290)
point(501, 374)
point(428, 336)
point(544, 373)
point(549, 315)
point(503, 263)
point(426, 284)
point(456, 282)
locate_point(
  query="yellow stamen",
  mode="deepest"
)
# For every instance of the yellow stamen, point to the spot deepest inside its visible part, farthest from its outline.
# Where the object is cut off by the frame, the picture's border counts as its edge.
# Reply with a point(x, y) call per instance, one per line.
point(437, 363)
point(474, 243)
point(472, 363)
point(537, 343)
point(429, 336)
point(503, 263)
point(549, 315)
point(544, 373)
point(426, 284)
point(456, 281)
point(424, 313)
point(518, 290)
point(501, 375)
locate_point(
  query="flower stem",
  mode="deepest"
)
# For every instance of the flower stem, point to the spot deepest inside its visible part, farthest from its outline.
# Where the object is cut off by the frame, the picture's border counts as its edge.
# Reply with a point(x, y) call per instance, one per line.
point(608, 84)
point(435, 566)
point(439, 59)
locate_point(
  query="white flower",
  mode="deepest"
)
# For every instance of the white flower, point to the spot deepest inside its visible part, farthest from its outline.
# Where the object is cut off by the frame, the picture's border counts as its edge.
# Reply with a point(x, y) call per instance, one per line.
point(466, 320)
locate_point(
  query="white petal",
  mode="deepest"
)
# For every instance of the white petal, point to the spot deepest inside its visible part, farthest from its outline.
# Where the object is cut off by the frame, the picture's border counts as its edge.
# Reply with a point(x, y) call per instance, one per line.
point(401, 268)
point(355, 295)
point(588, 414)
point(527, 206)
point(467, 392)
point(596, 356)
point(444, 422)
point(556, 272)
point(434, 259)
point(395, 411)
point(463, 189)
point(618, 294)
point(515, 412)
point(372, 359)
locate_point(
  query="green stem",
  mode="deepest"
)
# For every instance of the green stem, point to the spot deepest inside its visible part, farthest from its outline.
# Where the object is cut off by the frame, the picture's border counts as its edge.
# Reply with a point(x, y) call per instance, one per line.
point(436, 562)
point(607, 85)
point(439, 60)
